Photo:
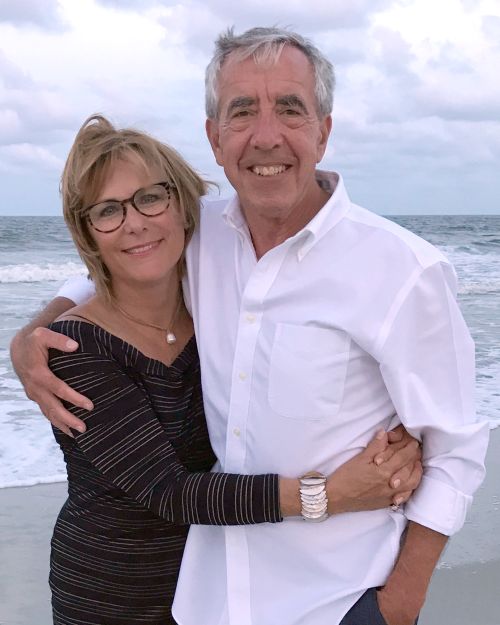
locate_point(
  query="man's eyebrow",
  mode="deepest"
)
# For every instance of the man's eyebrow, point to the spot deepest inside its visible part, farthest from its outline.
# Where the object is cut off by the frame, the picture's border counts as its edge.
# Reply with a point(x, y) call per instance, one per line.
point(293, 101)
point(240, 102)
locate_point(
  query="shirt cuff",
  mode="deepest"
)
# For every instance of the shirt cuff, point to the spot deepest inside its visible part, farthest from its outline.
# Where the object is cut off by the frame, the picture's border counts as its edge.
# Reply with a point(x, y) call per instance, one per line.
point(78, 289)
point(438, 506)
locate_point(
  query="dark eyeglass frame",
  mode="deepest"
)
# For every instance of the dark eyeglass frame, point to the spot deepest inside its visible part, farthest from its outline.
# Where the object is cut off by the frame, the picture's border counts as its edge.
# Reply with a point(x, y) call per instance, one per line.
point(131, 200)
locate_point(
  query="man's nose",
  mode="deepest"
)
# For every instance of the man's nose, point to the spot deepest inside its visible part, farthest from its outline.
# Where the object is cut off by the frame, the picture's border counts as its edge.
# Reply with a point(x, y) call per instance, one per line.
point(266, 132)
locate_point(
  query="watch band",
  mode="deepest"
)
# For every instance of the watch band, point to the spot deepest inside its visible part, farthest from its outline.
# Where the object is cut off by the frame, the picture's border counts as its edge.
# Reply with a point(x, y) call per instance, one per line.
point(313, 497)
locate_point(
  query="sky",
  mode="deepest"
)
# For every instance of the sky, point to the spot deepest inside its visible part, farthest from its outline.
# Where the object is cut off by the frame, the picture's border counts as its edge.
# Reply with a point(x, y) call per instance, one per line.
point(416, 120)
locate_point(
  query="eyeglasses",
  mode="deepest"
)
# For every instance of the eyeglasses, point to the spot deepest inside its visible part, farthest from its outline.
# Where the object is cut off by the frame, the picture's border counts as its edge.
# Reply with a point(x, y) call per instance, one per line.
point(109, 215)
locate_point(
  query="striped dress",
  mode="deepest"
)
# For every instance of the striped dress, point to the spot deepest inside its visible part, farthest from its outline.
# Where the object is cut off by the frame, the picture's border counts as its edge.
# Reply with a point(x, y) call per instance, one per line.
point(136, 479)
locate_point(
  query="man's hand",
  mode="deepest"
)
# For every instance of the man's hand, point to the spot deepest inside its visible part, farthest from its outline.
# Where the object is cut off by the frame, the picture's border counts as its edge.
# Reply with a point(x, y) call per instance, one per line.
point(29, 354)
point(400, 607)
point(403, 595)
point(362, 484)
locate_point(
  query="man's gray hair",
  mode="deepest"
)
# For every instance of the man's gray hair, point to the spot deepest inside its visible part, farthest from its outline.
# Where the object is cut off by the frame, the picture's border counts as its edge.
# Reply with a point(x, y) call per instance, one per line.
point(265, 45)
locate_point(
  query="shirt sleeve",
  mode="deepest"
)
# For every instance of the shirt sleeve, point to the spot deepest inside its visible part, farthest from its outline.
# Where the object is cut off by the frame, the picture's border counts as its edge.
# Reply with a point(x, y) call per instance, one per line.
point(126, 442)
point(427, 362)
point(78, 289)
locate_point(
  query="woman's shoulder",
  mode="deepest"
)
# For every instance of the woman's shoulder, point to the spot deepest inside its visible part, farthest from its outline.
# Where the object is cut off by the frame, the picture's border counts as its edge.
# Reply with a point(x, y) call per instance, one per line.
point(94, 339)
point(89, 336)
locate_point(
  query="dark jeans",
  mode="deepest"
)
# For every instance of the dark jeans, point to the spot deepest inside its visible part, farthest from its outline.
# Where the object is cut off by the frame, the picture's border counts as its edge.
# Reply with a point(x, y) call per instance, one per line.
point(365, 611)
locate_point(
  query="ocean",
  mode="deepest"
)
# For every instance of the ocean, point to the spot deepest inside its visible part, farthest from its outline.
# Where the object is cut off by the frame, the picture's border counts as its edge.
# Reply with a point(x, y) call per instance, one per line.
point(37, 255)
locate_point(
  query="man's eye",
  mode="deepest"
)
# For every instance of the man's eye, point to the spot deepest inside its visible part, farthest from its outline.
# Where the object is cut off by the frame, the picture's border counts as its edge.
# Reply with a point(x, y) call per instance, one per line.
point(239, 114)
point(291, 112)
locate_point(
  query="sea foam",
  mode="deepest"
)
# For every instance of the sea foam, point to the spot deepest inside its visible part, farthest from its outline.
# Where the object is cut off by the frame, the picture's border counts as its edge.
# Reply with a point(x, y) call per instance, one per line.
point(48, 272)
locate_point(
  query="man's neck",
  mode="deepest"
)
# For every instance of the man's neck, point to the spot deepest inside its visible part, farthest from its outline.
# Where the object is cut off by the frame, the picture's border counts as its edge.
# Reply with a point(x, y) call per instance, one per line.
point(268, 231)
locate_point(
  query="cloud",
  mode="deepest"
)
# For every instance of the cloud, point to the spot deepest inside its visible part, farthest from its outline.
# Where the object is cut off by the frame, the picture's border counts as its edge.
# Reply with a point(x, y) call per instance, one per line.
point(416, 105)
point(491, 28)
point(12, 76)
point(197, 23)
point(46, 14)
point(31, 112)
point(134, 4)
point(327, 15)
point(28, 156)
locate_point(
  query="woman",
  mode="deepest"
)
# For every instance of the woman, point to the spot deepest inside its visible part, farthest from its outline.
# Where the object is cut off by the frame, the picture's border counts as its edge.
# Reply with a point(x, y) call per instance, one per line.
point(138, 476)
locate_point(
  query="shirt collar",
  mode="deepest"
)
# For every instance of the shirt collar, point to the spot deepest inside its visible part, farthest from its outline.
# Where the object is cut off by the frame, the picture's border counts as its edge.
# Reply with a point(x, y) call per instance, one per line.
point(331, 213)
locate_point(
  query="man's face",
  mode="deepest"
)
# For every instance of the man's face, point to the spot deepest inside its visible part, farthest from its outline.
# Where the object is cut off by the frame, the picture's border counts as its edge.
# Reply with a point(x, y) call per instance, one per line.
point(268, 136)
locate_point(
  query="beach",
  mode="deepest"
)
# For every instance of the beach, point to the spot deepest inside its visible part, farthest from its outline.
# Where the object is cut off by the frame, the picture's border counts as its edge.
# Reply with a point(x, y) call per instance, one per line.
point(464, 589)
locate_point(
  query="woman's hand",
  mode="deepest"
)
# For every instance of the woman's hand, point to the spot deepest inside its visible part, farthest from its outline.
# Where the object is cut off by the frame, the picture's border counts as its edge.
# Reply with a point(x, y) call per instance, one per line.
point(367, 483)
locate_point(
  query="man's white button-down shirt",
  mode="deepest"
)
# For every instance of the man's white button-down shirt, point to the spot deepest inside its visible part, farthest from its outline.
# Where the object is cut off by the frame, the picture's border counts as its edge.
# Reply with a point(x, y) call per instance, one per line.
point(305, 353)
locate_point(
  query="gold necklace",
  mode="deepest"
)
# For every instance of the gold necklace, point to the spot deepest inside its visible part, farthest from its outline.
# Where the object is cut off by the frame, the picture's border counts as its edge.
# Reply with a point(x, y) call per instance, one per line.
point(169, 334)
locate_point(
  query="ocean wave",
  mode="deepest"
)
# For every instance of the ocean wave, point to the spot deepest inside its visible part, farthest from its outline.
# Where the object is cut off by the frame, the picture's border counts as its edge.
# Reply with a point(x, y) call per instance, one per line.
point(48, 272)
point(479, 288)
point(34, 481)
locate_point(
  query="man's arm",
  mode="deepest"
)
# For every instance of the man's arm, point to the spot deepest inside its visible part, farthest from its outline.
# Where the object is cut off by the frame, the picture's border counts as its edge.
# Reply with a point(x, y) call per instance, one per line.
point(29, 354)
point(426, 358)
point(403, 595)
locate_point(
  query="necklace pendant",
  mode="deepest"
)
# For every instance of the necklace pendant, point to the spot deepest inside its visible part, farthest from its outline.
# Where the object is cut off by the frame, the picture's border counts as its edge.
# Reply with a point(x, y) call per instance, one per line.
point(170, 338)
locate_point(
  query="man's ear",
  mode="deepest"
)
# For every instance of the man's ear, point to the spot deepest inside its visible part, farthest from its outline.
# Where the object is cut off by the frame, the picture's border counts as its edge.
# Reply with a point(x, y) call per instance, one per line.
point(212, 130)
point(324, 133)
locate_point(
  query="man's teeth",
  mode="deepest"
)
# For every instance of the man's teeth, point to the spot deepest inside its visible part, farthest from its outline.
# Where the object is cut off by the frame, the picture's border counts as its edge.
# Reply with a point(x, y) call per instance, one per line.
point(269, 170)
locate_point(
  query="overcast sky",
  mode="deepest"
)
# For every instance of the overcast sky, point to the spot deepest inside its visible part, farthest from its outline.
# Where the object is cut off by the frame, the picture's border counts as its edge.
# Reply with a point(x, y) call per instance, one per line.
point(416, 114)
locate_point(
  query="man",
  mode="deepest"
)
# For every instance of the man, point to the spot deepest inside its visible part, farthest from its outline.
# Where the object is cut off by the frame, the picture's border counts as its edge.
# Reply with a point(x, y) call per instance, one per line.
point(327, 321)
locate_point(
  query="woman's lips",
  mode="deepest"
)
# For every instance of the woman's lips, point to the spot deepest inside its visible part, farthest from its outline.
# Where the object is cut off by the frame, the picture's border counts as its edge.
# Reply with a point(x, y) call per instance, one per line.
point(142, 249)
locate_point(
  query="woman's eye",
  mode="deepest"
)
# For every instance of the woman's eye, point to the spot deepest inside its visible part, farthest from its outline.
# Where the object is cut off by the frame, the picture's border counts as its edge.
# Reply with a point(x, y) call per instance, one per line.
point(109, 210)
point(150, 198)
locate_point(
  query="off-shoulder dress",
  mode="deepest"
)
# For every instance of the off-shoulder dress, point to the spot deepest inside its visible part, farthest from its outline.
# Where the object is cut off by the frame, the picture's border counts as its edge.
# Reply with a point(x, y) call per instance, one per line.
point(136, 480)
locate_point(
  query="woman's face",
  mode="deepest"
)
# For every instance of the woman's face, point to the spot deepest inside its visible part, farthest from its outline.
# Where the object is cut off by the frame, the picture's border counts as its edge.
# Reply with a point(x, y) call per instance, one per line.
point(143, 249)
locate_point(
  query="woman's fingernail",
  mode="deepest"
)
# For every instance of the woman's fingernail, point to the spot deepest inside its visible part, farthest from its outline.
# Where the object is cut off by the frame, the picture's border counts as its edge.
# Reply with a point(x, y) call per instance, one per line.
point(380, 435)
point(396, 483)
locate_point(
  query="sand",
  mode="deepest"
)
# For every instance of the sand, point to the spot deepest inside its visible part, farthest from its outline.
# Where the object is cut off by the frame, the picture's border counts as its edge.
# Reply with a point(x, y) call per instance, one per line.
point(465, 588)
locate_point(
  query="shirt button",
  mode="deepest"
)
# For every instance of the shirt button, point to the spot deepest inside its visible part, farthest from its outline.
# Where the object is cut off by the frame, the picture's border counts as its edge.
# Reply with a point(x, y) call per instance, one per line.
point(236, 431)
point(242, 375)
point(250, 318)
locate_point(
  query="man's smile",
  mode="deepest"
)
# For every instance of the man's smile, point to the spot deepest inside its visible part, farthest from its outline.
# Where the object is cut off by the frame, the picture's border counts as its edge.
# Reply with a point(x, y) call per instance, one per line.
point(269, 170)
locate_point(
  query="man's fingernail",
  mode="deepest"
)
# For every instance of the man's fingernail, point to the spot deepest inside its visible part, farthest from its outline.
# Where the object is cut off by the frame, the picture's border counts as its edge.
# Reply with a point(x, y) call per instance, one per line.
point(88, 406)
point(70, 344)
point(396, 483)
point(380, 435)
point(80, 428)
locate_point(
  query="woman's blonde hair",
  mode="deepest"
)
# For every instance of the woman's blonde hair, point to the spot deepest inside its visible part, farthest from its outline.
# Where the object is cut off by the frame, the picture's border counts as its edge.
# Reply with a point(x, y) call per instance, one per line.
point(96, 149)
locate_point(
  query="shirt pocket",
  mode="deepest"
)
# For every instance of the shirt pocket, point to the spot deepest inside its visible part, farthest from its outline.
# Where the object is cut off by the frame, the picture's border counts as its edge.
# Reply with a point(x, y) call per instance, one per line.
point(307, 371)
